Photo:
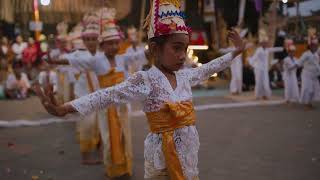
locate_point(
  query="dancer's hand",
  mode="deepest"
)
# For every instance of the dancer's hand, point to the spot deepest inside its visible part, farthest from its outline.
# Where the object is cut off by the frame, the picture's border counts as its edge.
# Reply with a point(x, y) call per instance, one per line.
point(47, 103)
point(48, 91)
point(237, 42)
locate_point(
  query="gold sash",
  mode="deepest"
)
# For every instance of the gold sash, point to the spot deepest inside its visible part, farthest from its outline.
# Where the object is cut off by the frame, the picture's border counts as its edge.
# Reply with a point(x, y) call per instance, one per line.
point(111, 78)
point(120, 163)
point(165, 121)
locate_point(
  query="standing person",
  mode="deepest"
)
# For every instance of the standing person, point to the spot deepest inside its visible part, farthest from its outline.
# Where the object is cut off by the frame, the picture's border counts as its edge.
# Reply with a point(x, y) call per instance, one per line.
point(291, 89)
point(6, 53)
point(29, 55)
point(236, 73)
point(47, 78)
point(171, 148)
point(310, 73)
point(85, 50)
point(117, 134)
point(135, 47)
point(110, 70)
point(66, 74)
point(18, 48)
point(260, 63)
point(84, 39)
point(236, 68)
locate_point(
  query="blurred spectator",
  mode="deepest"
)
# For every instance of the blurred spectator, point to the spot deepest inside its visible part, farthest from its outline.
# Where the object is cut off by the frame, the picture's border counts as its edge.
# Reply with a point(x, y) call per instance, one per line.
point(18, 48)
point(6, 53)
point(17, 84)
point(47, 77)
point(3, 77)
point(29, 54)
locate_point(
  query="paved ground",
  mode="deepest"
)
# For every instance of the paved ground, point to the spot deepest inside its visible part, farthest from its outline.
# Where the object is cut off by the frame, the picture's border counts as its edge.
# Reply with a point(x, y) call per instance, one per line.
point(250, 143)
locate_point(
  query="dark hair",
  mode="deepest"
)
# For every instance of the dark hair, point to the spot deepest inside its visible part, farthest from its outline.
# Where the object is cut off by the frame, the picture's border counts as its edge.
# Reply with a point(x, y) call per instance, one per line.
point(17, 64)
point(160, 40)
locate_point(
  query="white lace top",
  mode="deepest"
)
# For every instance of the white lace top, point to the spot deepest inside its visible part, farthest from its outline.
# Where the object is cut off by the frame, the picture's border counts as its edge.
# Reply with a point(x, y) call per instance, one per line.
point(153, 89)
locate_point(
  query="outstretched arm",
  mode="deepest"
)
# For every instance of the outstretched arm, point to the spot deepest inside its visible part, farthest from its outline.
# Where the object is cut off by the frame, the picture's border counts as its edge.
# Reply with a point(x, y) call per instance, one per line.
point(54, 61)
point(140, 57)
point(135, 88)
point(275, 49)
point(199, 74)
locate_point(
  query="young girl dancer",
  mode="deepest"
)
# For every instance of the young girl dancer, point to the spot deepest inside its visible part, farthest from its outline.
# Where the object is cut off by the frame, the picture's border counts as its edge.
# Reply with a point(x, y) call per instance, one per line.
point(165, 91)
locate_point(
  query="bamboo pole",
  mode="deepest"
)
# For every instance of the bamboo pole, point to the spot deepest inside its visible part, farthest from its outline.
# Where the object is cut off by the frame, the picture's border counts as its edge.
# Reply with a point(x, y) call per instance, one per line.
point(36, 18)
point(142, 16)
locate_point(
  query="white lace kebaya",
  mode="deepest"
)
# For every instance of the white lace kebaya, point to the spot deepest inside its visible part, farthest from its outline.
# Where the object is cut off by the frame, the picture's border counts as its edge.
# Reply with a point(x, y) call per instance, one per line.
point(153, 89)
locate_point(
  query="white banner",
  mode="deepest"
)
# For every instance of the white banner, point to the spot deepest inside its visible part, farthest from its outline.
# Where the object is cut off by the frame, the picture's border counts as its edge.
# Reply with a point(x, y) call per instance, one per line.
point(35, 26)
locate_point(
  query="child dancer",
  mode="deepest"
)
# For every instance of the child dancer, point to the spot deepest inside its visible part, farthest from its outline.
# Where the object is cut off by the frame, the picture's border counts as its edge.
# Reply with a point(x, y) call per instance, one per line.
point(88, 130)
point(236, 67)
point(310, 73)
point(291, 91)
point(260, 63)
point(110, 70)
point(135, 47)
point(66, 78)
point(165, 91)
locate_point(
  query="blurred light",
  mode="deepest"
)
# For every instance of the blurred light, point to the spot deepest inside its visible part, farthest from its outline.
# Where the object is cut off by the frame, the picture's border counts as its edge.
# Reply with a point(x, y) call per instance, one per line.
point(190, 53)
point(146, 47)
point(198, 47)
point(214, 75)
point(195, 59)
point(284, 1)
point(44, 2)
point(199, 64)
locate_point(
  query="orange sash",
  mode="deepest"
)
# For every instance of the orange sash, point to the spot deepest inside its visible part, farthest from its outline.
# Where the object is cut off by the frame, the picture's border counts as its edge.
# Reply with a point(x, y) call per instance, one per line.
point(165, 121)
point(120, 164)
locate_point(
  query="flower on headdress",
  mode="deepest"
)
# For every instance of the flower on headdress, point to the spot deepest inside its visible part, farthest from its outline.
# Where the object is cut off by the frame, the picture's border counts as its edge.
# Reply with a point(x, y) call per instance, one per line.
point(163, 28)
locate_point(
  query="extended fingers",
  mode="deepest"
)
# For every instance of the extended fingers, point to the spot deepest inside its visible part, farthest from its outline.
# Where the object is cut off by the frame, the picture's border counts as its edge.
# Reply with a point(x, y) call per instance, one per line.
point(37, 89)
point(233, 35)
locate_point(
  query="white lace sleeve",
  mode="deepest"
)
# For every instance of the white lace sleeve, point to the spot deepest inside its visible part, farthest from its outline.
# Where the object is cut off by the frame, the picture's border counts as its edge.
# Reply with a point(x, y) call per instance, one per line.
point(199, 74)
point(227, 50)
point(135, 88)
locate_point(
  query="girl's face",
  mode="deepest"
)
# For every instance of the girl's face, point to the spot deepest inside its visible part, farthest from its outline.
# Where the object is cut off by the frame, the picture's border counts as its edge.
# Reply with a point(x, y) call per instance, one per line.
point(91, 42)
point(172, 54)
point(111, 47)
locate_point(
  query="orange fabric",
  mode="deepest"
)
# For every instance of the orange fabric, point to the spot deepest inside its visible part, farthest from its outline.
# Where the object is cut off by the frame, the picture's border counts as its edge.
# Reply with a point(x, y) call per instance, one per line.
point(111, 78)
point(120, 164)
point(165, 121)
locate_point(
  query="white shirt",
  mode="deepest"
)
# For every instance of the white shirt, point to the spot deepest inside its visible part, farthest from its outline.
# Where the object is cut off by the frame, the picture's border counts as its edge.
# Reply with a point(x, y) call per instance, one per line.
point(310, 63)
point(18, 49)
point(53, 79)
point(260, 59)
point(13, 83)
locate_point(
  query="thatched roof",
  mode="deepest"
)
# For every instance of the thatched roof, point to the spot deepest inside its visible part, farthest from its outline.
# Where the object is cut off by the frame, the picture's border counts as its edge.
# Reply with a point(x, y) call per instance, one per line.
point(58, 10)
